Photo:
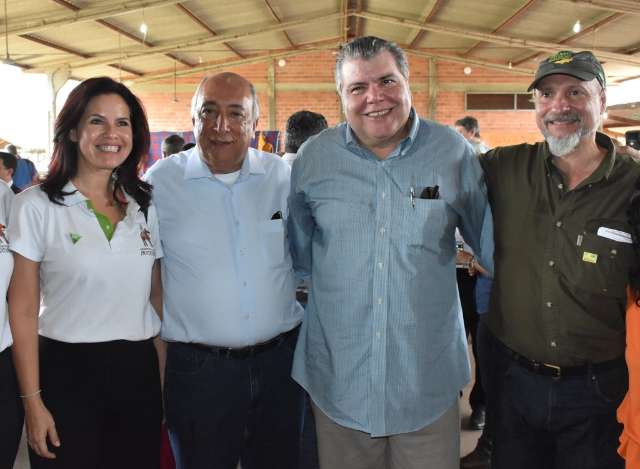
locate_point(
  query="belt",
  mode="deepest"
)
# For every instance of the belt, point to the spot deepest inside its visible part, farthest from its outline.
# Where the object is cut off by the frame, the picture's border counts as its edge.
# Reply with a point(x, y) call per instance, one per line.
point(246, 352)
point(547, 369)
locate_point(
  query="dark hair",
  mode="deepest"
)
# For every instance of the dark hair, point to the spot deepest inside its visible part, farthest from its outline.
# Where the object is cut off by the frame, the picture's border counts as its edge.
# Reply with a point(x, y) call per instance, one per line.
point(8, 160)
point(188, 146)
point(172, 144)
point(470, 124)
point(368, 47)
point(64, 161)
point(633, 214)
point(300, 126)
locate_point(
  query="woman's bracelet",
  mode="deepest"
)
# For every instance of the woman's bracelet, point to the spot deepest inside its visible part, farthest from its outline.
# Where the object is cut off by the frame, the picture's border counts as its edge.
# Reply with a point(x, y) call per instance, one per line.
point(27, 396)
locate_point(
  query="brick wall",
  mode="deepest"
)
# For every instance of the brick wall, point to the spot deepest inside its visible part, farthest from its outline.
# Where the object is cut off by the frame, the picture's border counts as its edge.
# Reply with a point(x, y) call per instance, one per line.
point(306, 82)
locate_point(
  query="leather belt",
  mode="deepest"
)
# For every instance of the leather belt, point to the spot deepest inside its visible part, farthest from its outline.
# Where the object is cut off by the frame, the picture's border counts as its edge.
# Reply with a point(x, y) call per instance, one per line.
point(246, 352)
point(555, 371)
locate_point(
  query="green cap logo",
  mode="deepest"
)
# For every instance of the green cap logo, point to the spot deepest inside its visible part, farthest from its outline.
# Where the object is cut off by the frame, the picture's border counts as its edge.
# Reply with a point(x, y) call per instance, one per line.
point(74, 237)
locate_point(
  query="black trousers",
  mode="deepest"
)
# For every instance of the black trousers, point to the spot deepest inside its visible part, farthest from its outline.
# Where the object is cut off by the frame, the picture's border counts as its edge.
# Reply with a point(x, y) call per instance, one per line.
point(105, 400)
point(11, 413)
point(467, 291)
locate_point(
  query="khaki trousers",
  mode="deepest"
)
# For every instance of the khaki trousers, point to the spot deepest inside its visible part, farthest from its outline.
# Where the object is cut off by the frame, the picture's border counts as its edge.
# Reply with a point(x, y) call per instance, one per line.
point(436, 446)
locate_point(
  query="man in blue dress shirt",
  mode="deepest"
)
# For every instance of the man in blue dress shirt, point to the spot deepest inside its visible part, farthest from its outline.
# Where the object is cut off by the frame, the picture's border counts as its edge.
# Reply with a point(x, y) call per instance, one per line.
point(373, 208)
point(230, 314)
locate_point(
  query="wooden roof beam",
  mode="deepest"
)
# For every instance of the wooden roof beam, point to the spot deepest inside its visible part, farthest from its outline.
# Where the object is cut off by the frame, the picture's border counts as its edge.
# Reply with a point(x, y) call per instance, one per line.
point(437, 6)
point(505, 24)
point(494, 38)
point(223, 64)
point(469, 61)
point(28, 25)
point(620, 6)
point(205, 26)
point(130, 71)
point(573, 37)
point(52, 45)
point(114, 56)
point(274, 15)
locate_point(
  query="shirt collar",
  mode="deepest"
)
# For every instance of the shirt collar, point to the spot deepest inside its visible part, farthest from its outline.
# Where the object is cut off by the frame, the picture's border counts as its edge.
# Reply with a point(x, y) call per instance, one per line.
point(196, 168)
point(405, 144)
point(603, 171)
point(76, 197)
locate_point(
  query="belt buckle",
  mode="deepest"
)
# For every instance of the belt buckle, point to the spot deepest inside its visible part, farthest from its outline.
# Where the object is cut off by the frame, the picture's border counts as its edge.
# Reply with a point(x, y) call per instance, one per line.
point(557, 370)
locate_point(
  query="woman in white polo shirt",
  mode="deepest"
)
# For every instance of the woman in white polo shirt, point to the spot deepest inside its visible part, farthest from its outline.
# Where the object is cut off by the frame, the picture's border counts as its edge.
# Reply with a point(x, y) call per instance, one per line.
point(10, 407)
point(86, 248)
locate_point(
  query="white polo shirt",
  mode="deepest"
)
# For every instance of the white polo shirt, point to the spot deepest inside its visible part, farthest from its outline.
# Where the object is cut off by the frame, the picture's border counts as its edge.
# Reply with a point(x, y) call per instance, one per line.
point(92, 289)
point(6, 264)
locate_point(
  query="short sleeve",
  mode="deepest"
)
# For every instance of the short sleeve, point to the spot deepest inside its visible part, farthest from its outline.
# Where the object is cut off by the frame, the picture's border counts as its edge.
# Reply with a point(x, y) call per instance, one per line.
point(27, 226)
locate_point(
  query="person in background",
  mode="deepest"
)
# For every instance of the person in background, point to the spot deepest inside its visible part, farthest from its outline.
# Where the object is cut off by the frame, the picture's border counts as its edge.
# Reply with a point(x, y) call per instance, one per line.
point(10, 405)
point(231, 319)
point(86, 288)
point(373, 208)
point(563, 252)
point(469, 128)
point(25, 174)
point(171, 145)
point(300, 126)
point(8, 163)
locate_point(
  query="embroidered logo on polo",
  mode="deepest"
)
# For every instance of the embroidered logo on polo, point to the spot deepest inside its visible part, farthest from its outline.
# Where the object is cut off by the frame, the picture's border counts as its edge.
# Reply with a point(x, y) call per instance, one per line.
point(147, 244)
point(75, 237)
point(4, 242)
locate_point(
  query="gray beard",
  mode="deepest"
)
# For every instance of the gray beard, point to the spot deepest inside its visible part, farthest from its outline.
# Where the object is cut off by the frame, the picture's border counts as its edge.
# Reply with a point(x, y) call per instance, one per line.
point(563, 146)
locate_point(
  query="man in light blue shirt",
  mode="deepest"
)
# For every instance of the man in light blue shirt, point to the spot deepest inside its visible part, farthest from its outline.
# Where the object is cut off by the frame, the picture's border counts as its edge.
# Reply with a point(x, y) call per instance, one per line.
point(373, 208)
point(230, 315)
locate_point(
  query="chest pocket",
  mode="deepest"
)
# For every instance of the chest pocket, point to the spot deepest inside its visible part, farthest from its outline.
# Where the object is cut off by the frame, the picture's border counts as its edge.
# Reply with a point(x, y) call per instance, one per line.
point(421, 226)
point(603, 264)
point(272, 232)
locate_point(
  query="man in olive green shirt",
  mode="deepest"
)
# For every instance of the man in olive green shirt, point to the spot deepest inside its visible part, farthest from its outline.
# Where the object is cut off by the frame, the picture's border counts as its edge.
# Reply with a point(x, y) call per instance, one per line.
point(562, 256)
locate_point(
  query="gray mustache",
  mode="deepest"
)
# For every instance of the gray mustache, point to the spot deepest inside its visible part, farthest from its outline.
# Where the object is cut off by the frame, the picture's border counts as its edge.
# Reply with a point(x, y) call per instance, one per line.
point(564, 117)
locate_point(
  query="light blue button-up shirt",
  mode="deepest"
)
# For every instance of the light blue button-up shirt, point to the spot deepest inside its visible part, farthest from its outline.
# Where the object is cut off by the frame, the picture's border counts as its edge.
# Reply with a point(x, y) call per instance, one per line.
point(226, 272)
point(382, 348)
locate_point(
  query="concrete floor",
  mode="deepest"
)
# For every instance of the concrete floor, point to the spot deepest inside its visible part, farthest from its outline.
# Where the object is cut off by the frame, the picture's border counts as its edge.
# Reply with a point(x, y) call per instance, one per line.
point(468, 438)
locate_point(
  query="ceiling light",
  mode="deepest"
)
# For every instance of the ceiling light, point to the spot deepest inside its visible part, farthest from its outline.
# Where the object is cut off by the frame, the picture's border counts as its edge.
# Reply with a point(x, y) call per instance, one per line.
point(467, 70)
point(577, 27)
point(510, 65)
point(282, 63)
point(605, 115)
point(144, 29)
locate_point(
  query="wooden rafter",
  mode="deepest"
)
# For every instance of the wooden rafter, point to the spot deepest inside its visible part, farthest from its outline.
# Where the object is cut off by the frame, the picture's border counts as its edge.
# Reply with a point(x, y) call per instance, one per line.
point(495, 38)
point(118, 30)
point(505, 24)
point(344, 22)
point(113, 56)
point(437, 6)
point(573, 37)
point(49, 21)
point(621, 6)
point(358, 21)
point(275, 16)
point(471, 61)
point(52, 45)
point(205, 26)
point(130, 71)
point(223, 64)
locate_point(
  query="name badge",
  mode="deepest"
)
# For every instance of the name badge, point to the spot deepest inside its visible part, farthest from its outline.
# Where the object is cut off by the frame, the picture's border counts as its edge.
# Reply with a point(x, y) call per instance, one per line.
point(590, 257)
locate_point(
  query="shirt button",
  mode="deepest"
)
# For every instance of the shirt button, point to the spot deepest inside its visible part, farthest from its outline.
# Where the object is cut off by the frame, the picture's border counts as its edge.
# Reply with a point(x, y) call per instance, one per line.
point(551, 263)
point(553, 343)
point(614, 252)
point(384, 195)
point(380, 265)
point(560, 186)
point(549, 304)
point(558, 223)
point(379, 301)
point(382, 230)
point(377, 335)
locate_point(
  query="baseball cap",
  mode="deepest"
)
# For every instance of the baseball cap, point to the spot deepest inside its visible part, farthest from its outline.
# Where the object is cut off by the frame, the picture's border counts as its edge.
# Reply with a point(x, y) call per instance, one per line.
point(581, 65)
